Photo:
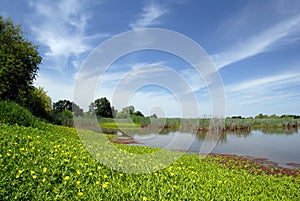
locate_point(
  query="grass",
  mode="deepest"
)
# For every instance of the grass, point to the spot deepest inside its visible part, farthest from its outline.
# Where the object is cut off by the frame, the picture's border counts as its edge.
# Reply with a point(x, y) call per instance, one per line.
point(116, 125)
point(51, 163)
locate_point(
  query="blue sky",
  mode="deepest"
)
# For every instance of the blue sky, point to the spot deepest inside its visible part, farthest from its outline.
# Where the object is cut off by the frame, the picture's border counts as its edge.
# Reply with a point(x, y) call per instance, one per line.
point(254, 44)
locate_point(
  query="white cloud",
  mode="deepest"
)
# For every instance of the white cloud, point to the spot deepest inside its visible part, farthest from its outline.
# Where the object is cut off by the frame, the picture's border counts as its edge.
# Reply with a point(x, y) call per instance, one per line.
point(262, 95)
point(270, 80)
point(62, 30)
point(282, 33)
point(149, 16)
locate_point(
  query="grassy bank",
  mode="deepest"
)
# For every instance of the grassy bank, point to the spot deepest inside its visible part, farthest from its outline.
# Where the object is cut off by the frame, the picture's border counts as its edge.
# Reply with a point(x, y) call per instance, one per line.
point(50, 163)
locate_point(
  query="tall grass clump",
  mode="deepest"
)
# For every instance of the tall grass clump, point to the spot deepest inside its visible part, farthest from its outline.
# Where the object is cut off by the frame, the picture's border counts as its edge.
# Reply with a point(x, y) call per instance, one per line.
point(12, 113)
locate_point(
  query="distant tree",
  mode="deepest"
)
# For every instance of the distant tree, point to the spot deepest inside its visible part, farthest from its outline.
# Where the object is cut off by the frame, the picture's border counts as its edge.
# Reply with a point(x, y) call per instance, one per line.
point(103, 108)
point(126, 112)
point(91, 109)
point(19, 62)
point(237, 117)
point(138, 113)
point(154, 116)
point(77, 110)
point(63, 105)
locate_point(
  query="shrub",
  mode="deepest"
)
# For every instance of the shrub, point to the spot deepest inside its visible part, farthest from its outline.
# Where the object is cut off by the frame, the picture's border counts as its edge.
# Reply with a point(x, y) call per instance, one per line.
point(12, 113)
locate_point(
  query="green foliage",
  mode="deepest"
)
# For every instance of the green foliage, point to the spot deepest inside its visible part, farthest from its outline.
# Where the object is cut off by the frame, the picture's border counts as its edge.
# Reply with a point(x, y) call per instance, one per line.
point(50, 163)
point(102, 108)
point(64, 118)
point(62, 105)
point(19, 61)
point(126, 112)
point(12, 113)
point(38, 102)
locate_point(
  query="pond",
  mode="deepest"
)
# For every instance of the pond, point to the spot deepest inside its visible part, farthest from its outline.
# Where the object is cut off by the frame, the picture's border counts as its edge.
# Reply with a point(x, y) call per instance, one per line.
point(281, 146)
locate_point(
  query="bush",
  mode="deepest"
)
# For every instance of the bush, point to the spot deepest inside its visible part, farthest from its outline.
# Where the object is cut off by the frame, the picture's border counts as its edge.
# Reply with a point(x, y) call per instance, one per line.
point(12, 113)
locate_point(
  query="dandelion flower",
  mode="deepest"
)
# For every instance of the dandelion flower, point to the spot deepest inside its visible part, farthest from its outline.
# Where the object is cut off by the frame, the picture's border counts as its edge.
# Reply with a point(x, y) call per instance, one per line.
point(105, 176)
point(90, 174)
point(77, 182)
point(80, 193)
point(144, 198)
point(97, 182)
point(172, 174)
point(67, 178)
point(20, 171)
point(78, 172)
point(34, 176)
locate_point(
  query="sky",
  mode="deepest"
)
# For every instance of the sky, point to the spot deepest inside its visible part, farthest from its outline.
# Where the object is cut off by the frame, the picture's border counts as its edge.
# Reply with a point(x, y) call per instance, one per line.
point(253, 45)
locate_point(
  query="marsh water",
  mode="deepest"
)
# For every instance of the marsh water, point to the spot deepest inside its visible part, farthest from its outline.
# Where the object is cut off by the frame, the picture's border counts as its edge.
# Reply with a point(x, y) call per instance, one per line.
point(281, 146)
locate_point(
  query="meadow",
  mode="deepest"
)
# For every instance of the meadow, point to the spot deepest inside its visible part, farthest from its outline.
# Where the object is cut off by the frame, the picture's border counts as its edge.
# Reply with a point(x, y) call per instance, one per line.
point(48, 162)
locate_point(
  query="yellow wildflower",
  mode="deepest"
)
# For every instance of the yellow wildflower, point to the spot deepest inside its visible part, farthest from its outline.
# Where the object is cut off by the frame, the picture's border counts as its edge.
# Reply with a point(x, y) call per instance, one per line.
point(20, 171)
point(80, 193)
point(97, 182)
point(105, 176)
point(22, 149)
point(32, 172)
point(105, 184)
point(77, 182)
point(44, 170)
point(144, 198)
point(172, 174)
point(43, 180)
point(78, 172)
point(67, 177)
point(90, 174)
point(34, 176)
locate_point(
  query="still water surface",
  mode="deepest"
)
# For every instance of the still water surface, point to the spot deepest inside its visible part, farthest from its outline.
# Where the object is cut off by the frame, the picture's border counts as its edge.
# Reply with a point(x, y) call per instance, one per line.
point(281, 146)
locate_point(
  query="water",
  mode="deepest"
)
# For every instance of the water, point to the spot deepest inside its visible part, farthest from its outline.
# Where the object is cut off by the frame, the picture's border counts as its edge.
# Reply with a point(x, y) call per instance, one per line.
point(281, 146)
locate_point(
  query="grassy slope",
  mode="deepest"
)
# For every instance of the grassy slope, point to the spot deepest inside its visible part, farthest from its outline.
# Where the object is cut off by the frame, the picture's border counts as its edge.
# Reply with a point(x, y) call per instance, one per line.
point(50, 163)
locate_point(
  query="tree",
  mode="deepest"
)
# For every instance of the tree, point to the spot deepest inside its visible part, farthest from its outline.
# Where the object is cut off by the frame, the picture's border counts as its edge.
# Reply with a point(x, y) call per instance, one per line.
point(62, 105)
point(38, 102)
point(126, 112)
point(154, 116)
point(138, 113)
point(19, 62)
point(102, 108)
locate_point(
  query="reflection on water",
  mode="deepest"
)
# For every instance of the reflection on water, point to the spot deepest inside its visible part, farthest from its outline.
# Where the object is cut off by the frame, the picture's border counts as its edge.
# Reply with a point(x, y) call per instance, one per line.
point(279, 145)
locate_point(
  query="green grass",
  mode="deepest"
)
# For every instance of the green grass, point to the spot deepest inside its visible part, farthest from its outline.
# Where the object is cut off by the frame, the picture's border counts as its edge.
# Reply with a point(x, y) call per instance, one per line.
point(51, 163)
point(117, 125)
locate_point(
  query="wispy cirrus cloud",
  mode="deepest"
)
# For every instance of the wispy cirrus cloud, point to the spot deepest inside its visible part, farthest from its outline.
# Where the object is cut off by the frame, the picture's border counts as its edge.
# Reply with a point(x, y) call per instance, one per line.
point(61, 29)
point(149, 16)
point(282, 33)
point(262, 95)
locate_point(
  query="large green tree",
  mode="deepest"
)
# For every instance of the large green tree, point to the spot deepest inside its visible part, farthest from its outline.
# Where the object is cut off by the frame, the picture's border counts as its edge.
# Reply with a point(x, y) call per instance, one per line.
point(19, 62)
point(103, 108)
point(62, 105)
